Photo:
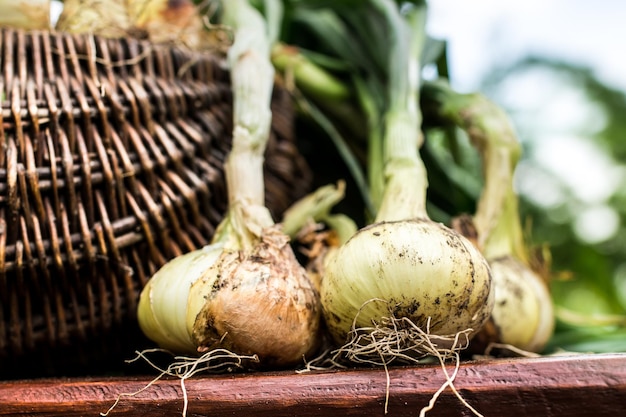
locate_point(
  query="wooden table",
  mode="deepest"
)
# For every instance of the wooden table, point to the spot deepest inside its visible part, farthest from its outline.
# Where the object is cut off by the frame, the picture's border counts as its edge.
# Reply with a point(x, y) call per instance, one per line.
point(578, 385)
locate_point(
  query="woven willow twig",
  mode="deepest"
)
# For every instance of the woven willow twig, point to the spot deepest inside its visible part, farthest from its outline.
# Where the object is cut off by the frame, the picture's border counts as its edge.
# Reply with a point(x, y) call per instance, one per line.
point(111, 164)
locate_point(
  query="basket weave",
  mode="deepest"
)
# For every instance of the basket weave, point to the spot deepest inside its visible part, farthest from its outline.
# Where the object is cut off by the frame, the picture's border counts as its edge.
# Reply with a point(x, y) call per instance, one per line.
point(111, 165)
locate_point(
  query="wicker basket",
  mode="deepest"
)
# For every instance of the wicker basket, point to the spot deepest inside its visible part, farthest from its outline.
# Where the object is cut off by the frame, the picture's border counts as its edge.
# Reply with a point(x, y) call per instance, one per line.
point(112, 164)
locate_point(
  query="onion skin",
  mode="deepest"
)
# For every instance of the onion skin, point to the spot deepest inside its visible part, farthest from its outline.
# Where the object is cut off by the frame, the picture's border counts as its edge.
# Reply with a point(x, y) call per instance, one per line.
point(263, 304)
point(169, 290)
point(523, 313)
point(422, 269)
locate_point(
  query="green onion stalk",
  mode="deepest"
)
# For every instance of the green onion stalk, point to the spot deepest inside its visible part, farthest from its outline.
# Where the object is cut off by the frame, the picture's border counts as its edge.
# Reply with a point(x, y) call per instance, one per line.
point(312, 224)
point(523, 314)
point(314, 81)
point(245, 292)
point(347, 59)
point(327, 101)
point(404, 275)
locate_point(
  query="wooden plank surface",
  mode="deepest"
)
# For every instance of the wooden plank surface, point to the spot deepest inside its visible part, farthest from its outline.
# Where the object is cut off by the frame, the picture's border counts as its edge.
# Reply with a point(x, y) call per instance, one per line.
point(581, 385)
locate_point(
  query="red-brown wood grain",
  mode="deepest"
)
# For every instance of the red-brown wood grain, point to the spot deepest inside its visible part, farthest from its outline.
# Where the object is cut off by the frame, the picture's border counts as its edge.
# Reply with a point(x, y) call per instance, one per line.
point(580, 385)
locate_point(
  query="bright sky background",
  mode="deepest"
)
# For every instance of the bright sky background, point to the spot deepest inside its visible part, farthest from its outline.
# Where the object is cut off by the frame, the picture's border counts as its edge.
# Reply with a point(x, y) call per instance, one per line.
point(484, 34)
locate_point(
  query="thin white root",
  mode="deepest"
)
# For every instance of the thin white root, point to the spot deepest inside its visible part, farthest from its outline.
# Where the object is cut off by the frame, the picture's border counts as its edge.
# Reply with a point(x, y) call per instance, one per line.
point(387, 388)
point(433, 399)
point(398, 340)
point(184, 367)
point(449, 383)
point(130, 394)
point(510, 348)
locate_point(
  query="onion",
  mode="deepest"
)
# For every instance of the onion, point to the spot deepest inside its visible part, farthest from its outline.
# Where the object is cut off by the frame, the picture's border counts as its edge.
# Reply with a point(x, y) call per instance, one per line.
point(259, 302)
point(523, 313)
point(421, 269)
point(405, 268)
point(246, 292)
point(108, 18)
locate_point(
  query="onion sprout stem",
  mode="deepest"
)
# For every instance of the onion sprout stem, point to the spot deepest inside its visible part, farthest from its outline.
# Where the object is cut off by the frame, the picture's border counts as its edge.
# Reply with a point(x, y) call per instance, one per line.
point(496, 219)
point(252, 81)
point(406, 182)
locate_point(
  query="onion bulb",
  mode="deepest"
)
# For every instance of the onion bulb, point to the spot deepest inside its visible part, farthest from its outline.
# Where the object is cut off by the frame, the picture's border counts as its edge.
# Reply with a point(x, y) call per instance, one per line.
point(259, 302)
point(421, 269)
point(109, 19)
point(522, 315)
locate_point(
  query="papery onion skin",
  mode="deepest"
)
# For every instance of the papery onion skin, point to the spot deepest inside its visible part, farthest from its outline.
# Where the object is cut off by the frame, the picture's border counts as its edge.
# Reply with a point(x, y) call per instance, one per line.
point(421, 268)
point(523, 313)
point(168, 290)
point(263, 304)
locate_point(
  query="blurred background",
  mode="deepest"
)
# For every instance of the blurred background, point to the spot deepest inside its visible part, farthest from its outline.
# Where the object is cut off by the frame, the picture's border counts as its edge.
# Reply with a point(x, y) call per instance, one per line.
point(555, 67)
